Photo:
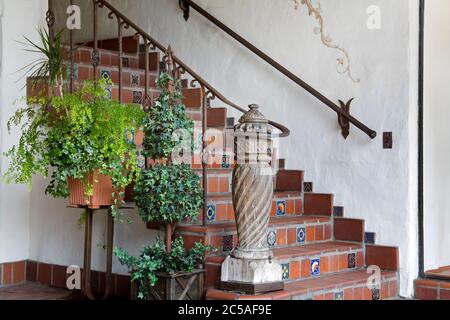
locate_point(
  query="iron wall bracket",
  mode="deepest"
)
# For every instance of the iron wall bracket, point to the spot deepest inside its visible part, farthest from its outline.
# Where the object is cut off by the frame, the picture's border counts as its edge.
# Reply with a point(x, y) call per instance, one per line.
point(344, 123)
point(184, 6)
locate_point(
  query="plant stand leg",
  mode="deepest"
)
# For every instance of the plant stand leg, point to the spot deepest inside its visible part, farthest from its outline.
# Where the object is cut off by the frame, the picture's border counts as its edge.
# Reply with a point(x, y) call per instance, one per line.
point(87, 290)
point(109, 256)
point(200, 285)
point(170, 289)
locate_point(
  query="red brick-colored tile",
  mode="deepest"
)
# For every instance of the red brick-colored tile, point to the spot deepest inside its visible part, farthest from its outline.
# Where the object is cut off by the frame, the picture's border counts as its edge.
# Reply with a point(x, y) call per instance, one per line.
point(83, 73)
point(360, 259)
point(386, 258)
point(318, 233)
point(393, 288)
point(367, 293)
point(31, 273)
point(7, 276)
point(290, 207)
point(224, 184)
point(298, 206)
point(327, 232)
point(59, 277)
point(190, 240)
point(318, 297)
point(213, 184)
point(273, 211)
point(349, 229)
point(291, 236)
point(123, 287)
point(384, 290)
point(294, 270)
point(328, 296)
point(192, 98)
point(343, 262)
point(281, 237)
point(333, 264)
point(444, 294)
point(318, 204)
point(423, 293)
point(310, 234)
point(305, 270)
point(105, 59)
point(348, 294)
point(230, 210)
point(212, 275)
point(19, 272)
point(45, 273)
point(358, 293)
point(221, 212)
point(324, 265)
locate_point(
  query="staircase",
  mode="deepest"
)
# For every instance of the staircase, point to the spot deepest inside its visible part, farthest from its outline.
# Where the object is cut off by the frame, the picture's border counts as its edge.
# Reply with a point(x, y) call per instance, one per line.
point(323, 254)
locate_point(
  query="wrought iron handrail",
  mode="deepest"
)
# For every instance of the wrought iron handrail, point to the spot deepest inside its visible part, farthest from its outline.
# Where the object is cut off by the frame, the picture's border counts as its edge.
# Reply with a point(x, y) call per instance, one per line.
point(210, 92)
point(341, 111)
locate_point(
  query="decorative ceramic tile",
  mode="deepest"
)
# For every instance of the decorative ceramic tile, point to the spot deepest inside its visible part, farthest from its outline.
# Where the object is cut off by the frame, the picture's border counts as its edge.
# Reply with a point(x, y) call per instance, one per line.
point(285, 269)
point(301, 235)
point(351, 260)
point(135, 79)
point(369, 237)
point(75, 72)
point(281, 208)
point(338, 211)
point(271, 238)
point(137, 97)
point(125, 62)
point(211, 213)
point(339, 295)
point(141, 161)
point(225, 161)
point(376, 293)
point(315, 266)
point(105, 75)
point(109, 92)
point(308, 187)
point(227, 243)
point(230, 122)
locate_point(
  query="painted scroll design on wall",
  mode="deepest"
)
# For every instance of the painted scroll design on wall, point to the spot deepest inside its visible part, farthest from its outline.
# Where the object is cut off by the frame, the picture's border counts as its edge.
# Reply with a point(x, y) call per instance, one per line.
point(343, 62)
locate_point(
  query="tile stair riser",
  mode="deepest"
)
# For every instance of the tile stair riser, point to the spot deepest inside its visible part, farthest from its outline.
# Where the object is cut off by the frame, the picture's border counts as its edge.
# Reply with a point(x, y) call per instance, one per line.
point(304, 261)
point(352, 292)
point(217, 238)
point(224, 211)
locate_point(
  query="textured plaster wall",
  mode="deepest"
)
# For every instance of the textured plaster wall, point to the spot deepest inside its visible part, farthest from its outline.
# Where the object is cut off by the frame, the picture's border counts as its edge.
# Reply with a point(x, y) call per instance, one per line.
point(437, 131)
point(374, 184)
point(14, 200)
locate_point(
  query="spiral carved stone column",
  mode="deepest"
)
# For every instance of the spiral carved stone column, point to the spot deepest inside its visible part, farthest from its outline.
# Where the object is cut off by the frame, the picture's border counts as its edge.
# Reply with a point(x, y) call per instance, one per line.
point(251, 267)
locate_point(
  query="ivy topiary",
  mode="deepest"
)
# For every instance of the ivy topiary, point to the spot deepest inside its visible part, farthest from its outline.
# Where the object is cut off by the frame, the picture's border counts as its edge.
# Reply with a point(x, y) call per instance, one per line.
point(168, 194)
point(164, 119)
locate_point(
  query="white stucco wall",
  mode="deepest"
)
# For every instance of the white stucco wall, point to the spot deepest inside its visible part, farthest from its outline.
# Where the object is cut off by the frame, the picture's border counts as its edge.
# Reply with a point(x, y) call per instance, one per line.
point(436, 133)
point(14, 200)
point(374, 184)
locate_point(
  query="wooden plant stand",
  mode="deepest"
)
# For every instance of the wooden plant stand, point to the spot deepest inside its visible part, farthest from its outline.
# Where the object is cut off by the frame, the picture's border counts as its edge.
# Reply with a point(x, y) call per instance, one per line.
point(177, 286)
point(86, 277)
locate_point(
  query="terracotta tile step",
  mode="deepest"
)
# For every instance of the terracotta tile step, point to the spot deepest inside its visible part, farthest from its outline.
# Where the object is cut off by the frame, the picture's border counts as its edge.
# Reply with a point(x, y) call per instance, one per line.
point(305, 261)
point(432, 289)
point(350, 285)
point(220, 206)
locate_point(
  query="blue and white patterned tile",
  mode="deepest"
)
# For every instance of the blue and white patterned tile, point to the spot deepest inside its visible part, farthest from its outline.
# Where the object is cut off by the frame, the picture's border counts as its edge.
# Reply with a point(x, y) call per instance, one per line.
point(339, 295)
point(211, 212)
point(301, 235)
point(285, 269)
point(226, 162)
point(281, 207)
point(315, 267)
point(351, 260)
point(272, 238)
point(137, 97)
point(105, 75)
point(134, 79)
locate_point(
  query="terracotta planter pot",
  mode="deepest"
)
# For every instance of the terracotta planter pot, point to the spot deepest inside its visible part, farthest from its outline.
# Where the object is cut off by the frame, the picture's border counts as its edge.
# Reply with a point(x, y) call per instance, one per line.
point(139, 138)
point(39, 88)
point(102, 191)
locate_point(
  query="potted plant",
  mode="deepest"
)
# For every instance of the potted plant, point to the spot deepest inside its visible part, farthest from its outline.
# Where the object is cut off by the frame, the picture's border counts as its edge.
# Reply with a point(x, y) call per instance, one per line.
point(168, 192)
point(84, 151)
point(46, 74)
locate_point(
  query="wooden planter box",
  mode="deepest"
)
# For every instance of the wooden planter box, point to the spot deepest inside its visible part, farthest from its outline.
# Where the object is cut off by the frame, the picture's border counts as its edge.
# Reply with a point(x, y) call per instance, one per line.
point(178, 286)
point(102, 192)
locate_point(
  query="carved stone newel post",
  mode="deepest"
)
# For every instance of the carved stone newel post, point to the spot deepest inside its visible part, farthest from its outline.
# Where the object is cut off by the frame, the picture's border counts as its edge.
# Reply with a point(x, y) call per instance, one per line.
point(251, 267)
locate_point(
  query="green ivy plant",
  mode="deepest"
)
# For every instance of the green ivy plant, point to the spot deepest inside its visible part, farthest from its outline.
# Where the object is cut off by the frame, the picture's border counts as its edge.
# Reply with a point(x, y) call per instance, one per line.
point(155, 259)
point(166, 116)
point(167, 192)
point(84, 132)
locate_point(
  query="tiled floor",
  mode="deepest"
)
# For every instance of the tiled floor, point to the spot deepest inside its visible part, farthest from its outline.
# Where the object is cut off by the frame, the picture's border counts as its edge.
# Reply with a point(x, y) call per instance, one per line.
point(442, 273)
point(35, 291)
